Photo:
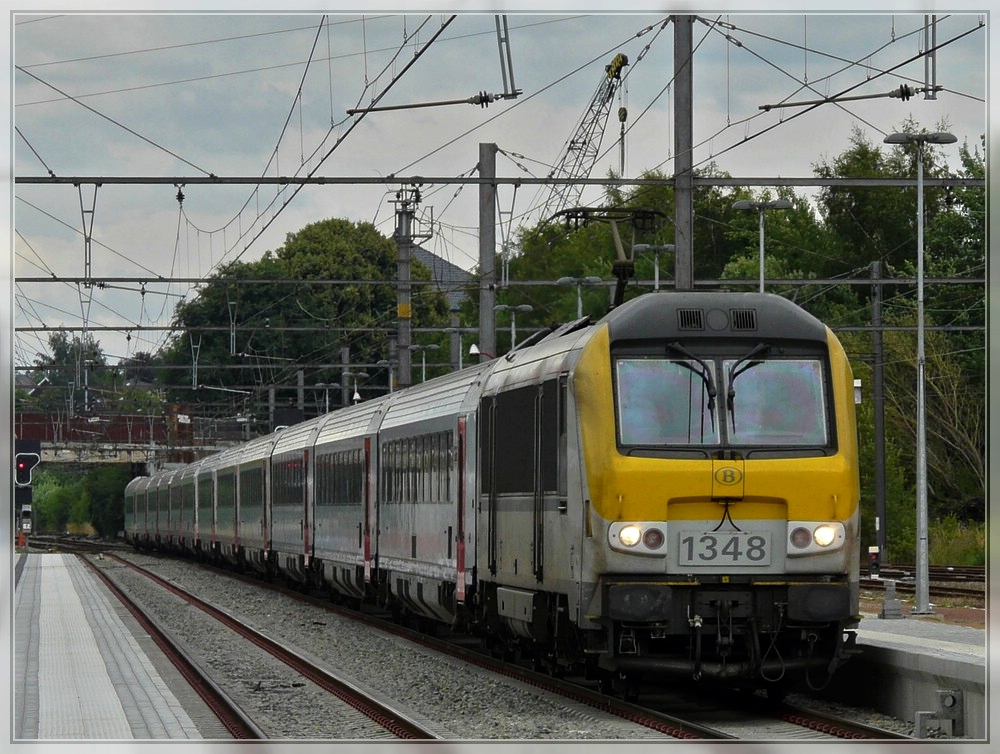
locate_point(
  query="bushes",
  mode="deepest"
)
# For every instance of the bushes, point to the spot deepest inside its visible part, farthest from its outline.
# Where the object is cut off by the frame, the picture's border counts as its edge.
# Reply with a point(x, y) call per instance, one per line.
point(954, 542)
point(88, 502)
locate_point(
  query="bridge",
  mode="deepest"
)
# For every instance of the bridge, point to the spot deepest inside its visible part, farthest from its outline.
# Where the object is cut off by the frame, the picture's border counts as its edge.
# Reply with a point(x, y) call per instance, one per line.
point(172, 437)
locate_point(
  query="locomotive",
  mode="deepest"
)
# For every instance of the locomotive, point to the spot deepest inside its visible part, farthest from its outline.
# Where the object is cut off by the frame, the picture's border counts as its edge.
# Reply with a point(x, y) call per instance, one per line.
point(671, 490)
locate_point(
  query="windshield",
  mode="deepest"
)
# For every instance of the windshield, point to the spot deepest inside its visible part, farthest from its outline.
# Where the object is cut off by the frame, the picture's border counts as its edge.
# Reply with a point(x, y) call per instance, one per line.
point(665, 402)
point(776, 402)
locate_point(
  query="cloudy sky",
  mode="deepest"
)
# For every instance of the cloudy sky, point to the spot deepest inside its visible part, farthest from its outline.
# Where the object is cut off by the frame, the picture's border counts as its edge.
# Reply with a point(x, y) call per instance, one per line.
point(249, 94)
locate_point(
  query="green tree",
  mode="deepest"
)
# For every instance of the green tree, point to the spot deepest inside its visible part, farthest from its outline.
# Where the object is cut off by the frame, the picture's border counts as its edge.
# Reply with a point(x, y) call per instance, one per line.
point(900, 515)
point(75, 369)
point(53, 496)
point(104, 489)
point(955, 409)
point(347, 300)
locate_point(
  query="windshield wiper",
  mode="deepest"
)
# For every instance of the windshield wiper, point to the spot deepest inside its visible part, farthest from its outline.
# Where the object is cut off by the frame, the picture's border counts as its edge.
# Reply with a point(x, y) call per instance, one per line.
point(734, 372)
point(705, 374)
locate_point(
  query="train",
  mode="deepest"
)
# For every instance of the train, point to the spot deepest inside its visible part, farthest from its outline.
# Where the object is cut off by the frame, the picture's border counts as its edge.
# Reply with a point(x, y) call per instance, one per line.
point(670, 490)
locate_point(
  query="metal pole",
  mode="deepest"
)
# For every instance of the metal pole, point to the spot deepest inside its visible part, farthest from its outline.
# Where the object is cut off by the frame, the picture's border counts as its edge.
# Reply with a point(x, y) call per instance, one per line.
point(683, 152)
point(922, 575)
point(487, 247)
point(879, 410)
point(404, 307)
point(922, 586)
point(761, 255)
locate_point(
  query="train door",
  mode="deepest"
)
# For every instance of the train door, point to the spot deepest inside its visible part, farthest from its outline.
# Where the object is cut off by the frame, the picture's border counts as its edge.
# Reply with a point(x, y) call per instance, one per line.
point(370, 548)
point(519, 447)
point(460, 517)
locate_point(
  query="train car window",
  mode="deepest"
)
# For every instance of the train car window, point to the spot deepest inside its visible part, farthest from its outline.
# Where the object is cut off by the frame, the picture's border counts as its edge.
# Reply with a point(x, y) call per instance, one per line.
point(227, 498)
point(339, 478)
point(514, 451)
point(252, 487)
point(414, 469)
point(665, 402)
point(324, 479)
point(487, 441)
point(549, 431)
point(288, 480)
point(205, 501)
point(777, 402)
point(561, 442)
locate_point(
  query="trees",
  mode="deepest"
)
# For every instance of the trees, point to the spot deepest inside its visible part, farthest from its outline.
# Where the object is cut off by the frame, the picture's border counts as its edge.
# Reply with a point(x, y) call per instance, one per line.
point(869, 224)
point(847, 229)
point(75, 370)
point(350, 305)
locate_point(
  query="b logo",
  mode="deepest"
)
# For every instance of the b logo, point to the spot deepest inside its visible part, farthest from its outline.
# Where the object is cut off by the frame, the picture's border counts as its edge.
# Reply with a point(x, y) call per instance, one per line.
point(728, 475)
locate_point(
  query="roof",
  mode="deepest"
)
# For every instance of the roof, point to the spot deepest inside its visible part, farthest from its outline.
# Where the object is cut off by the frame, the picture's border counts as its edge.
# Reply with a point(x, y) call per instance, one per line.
point(450, 279)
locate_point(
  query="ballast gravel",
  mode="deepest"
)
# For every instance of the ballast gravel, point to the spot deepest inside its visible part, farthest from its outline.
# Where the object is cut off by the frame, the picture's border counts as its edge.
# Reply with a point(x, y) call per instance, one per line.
point(461, 701)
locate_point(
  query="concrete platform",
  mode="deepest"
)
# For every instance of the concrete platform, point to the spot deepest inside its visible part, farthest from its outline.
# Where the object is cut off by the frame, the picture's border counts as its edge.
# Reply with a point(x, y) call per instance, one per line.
point(921, 669)
point(83, 669)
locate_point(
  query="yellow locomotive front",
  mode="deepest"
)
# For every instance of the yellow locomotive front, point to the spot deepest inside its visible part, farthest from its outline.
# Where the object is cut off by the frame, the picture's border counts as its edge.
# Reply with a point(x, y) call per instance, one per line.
point(719, 445)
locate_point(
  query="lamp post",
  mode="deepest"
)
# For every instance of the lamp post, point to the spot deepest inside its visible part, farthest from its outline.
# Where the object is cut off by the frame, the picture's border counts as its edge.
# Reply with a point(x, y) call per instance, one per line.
point(645, 248)
point(579, 283)
point(513, 314)
point(326, 393)
point(745, 204)
point(423, 358)
point(347, 373)
point(388, 364)
point(474, 351)
point(922, 585)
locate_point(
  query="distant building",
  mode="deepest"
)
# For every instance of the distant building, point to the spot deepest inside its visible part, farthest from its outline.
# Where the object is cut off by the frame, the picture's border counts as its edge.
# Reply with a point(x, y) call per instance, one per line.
point(450, 279)
point(26, 383)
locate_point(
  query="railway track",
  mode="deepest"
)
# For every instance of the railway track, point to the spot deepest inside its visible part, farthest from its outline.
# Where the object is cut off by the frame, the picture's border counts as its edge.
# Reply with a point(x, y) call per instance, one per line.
point(670, 714)
point(945, 582)
point(686, 714)
point(975, 574)
point(230, 714)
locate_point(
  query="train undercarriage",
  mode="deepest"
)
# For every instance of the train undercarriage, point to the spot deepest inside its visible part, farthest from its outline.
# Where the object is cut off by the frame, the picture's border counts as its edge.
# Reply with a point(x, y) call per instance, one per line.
point(773, 637)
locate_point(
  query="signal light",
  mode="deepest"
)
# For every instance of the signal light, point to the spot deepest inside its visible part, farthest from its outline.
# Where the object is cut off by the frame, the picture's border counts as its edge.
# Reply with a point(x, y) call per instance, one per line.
point(24, 464)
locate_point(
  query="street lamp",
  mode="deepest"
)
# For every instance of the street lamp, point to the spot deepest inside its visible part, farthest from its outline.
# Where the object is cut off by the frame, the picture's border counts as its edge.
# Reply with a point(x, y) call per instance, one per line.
point(474, 351)
point(745, 204)
point(645, 248)
point(346, 373)
point(326, 393)
point(513, 314)
point(579, 283)
point(423, 358)
point(388, 364)
point(922, 585)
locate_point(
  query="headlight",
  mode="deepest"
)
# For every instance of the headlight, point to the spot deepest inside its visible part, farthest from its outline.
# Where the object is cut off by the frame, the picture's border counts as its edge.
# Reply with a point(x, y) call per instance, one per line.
point(800, 537)
point(813, 538)
point(653, 539)
point(630, 535)
point(638, 537)
point(824, 535)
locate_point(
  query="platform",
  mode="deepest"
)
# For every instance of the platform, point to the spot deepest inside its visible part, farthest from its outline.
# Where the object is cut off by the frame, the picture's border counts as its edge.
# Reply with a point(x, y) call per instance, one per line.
point(84, 670)
point(921, 669)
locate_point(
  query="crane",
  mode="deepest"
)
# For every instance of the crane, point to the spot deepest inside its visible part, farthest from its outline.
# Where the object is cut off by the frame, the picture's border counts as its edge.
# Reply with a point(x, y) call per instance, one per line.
point(580, 152)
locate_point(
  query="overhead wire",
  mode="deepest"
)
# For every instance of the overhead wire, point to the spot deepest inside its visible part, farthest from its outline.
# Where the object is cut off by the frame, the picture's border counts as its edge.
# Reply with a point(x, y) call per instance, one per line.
point(550, 85)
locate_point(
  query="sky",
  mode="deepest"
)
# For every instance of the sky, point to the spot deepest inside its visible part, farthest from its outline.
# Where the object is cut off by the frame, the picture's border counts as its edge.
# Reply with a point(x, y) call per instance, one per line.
point(250, 93)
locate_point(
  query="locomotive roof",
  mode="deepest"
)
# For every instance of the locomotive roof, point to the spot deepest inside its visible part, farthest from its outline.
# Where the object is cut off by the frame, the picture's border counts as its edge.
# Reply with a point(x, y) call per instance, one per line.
point(678, 314)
